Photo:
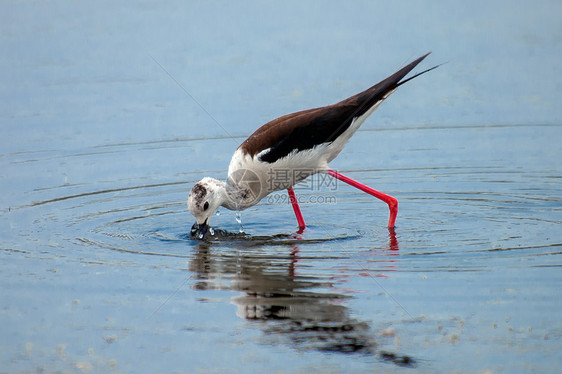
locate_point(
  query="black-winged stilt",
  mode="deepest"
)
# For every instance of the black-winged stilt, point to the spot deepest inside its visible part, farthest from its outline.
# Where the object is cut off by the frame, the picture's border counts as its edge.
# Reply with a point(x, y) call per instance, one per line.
point(290, 148)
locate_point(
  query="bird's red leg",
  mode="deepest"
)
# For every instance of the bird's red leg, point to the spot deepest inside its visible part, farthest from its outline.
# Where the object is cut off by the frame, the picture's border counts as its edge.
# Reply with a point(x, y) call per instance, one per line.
point(297, 209)
point(391, 201)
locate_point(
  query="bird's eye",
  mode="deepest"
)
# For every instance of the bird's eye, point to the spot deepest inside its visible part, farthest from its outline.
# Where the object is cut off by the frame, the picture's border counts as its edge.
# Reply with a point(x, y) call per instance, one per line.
point(206, 205)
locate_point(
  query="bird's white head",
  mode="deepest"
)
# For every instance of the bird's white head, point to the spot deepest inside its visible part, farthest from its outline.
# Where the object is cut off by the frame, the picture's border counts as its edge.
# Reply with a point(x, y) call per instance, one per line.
point(205, 198)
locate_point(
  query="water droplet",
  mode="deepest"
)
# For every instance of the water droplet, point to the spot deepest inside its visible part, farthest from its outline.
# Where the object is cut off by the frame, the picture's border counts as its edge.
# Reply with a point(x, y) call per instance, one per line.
point(239, 220)
point(201, 235)
point(211, 231)
point(218, 212)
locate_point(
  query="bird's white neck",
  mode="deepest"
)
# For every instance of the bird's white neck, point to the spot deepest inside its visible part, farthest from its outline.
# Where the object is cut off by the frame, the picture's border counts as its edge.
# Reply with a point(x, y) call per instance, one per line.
point(232, 197)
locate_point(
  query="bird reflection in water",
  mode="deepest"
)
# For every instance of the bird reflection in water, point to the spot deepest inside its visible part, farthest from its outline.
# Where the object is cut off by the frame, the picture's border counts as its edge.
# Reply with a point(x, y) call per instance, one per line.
point(273, 291)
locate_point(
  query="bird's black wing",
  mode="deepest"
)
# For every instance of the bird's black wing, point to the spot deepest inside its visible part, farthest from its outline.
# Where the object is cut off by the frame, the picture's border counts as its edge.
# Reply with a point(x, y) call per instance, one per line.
point(310, 128)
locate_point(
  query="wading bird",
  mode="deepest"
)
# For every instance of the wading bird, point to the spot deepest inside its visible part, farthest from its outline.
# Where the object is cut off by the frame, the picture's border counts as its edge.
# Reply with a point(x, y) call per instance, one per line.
point(304, 141)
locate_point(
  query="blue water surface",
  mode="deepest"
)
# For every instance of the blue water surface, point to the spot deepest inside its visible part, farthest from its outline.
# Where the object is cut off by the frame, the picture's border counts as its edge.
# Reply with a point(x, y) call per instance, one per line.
point(111, 111)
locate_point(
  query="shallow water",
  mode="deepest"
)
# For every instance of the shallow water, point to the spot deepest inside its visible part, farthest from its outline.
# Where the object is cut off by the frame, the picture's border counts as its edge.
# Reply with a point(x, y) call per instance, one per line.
point(99, 271)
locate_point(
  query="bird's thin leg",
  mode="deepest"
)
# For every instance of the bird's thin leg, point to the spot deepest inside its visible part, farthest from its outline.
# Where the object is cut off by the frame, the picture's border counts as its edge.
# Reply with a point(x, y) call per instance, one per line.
point(391, 201)
point(296, 208)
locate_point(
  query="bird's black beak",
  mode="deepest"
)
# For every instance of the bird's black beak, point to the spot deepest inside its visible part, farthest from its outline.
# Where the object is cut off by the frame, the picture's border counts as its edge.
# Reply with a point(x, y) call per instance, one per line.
point(199, 230)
